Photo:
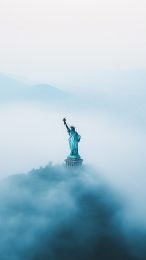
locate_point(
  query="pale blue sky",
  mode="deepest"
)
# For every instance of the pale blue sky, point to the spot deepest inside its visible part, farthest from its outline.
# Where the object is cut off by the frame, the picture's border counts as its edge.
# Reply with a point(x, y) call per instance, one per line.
point(65, 41)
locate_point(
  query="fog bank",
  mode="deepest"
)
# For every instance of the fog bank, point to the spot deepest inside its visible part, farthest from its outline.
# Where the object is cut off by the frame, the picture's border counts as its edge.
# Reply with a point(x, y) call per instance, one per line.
point(54, 213)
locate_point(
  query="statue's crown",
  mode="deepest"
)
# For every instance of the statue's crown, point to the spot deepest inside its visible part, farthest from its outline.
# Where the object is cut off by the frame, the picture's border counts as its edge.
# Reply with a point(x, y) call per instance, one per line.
point(72, 127)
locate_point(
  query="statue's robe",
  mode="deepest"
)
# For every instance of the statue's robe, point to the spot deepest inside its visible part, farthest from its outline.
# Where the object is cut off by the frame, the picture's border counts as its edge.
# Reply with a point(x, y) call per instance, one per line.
point(74, 139)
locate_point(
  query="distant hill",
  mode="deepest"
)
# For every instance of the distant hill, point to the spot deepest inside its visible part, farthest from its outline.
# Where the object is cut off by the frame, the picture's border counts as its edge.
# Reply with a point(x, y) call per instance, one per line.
point(118, 93)
point(13, 90)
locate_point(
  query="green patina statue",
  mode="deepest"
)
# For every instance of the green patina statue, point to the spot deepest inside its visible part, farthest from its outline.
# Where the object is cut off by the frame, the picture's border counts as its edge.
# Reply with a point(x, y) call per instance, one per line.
point(74, 139)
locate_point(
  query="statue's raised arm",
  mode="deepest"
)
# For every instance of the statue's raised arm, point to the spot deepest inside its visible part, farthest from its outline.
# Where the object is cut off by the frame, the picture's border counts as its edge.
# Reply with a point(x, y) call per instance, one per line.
point(64, 120)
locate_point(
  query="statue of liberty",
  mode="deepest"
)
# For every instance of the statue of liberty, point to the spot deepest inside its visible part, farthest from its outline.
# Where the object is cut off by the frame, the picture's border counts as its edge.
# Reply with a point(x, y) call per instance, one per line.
point(74, 139)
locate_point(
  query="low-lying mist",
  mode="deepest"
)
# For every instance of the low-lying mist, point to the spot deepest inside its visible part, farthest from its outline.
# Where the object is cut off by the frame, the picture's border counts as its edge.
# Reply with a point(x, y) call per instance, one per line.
point(56, 213)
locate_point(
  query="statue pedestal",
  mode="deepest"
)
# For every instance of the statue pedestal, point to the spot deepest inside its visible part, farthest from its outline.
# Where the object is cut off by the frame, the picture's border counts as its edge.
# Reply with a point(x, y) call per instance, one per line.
point(73, 162)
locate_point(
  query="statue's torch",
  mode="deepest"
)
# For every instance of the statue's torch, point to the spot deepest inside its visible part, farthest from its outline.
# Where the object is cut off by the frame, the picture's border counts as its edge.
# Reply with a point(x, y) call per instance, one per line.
point(64, 120)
